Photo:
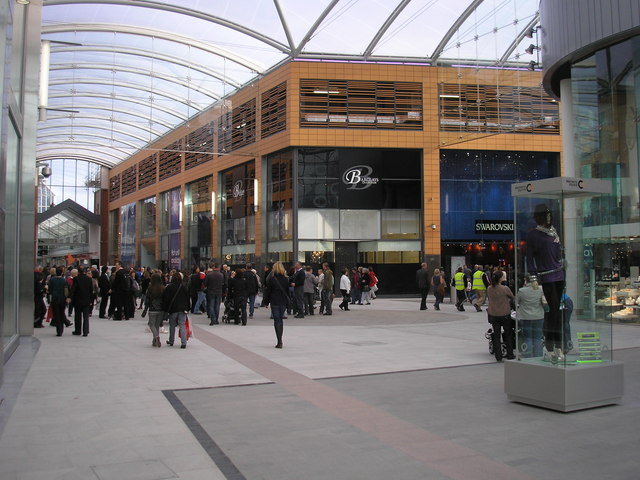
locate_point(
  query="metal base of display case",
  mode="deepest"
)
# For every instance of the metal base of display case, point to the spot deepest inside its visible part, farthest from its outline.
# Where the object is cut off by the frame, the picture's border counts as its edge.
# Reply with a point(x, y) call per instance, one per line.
point(564, 389)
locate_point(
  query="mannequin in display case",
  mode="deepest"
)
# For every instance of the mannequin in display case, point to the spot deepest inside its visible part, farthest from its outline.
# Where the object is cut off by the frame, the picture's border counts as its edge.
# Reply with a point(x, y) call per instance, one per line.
point(545, 260)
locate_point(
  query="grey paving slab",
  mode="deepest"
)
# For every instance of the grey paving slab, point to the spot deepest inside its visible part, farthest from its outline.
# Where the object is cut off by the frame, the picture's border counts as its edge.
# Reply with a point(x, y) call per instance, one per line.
point(95, 400)
point(140, 470)
point(271, 434)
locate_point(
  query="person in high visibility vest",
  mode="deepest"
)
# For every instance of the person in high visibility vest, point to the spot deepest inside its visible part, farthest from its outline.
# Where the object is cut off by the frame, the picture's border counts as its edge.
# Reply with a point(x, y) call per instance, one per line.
point(460, 284)
point(479, 286)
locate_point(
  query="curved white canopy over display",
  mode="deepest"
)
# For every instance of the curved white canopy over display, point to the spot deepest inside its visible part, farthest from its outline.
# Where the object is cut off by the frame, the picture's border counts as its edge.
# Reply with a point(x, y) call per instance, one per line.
point(123, 72)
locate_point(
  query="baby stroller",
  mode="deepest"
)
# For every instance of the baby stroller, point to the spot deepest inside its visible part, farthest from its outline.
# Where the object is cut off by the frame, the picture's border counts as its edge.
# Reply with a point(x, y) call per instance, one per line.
point(229, 315)
point(503, 346)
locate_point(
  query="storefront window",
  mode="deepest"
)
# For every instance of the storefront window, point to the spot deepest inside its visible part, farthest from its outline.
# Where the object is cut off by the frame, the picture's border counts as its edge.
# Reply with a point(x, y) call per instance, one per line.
point(606, 97)
point(238, 210)
point(280, 206)
point(147, 231)
point(169, 222)
point(198, 206)
point(128, 234)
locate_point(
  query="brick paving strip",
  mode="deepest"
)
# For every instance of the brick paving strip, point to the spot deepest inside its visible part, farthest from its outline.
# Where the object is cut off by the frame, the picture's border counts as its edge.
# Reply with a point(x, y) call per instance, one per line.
point(444, 456)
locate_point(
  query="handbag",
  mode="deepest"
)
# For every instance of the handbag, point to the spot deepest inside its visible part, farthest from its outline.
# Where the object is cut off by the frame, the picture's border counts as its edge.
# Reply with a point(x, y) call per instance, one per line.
point(187, 328)
point(144, 312)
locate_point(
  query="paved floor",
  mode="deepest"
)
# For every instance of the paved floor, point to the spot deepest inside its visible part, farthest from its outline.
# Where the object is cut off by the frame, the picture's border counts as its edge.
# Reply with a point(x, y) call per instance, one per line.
point(382, 392)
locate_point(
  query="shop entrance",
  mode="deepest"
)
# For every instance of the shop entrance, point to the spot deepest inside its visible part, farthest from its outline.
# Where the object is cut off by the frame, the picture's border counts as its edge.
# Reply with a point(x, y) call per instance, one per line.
point(346, 255)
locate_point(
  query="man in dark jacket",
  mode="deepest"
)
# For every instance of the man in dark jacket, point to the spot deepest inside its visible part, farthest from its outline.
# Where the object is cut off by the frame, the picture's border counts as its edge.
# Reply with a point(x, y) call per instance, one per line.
point(239, 291)
point(104, 285)
point(81, 295)
point(297, 282)
point(214, 285)
point(422, 279)
point(252, 288)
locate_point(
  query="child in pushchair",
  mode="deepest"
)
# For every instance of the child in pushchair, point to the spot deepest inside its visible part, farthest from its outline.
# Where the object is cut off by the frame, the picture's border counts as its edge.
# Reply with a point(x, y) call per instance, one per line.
point(229, 314)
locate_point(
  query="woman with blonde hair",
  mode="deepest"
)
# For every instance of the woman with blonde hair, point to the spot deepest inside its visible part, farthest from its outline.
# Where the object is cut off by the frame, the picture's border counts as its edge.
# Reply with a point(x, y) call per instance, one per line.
point(276, 293)
point(437, 285)
point(530, 315)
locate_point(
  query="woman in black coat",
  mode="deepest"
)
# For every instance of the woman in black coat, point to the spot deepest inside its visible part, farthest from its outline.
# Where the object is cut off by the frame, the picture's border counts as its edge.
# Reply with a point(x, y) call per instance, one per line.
point(176, 302)
point(239, 292)
point(276, 293)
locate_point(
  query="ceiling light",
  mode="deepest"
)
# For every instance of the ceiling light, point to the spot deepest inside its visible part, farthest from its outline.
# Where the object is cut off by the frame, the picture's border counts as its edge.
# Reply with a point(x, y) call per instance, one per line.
point(22, 2)
point(531, 48)
point(532, 65)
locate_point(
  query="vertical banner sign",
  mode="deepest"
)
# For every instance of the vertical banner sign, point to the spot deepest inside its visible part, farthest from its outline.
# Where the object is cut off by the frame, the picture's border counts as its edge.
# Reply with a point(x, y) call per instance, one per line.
point(589, 347)
point(174, 251)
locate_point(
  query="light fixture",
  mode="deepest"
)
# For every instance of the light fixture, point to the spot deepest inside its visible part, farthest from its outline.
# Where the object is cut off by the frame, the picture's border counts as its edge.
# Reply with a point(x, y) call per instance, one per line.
point(255, 195)
point(213, 205)
point(433, 226)
point(180, 212)
point(444, 95)
point(530, 49)
point(22, 2)
point(43, 92)
point(530, 32)
point(326, 92)
point(532, 65)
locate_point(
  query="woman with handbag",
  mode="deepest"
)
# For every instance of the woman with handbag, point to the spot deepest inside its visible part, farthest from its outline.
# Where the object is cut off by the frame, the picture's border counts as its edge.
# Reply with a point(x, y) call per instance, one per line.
point(437, 285)
point(176, 302)
point(499, 312)
point(276, 293)
point(153, 306)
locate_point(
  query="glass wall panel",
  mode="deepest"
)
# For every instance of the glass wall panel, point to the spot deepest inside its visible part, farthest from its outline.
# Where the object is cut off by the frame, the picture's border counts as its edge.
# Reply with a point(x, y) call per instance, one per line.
point(318, 223)
point(128, 234)
point(401, 224)
point(169, 222)
point(77, 180)
point(279, 206)
point(359, 224)
point(198, 205)
point(475, 187)
point(10, 237)
point(606, 98)
point(238, 205)
point(147, 231)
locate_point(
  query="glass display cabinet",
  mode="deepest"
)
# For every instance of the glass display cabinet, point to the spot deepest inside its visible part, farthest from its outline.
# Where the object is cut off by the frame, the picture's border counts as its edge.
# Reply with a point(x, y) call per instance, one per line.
point(564, 301)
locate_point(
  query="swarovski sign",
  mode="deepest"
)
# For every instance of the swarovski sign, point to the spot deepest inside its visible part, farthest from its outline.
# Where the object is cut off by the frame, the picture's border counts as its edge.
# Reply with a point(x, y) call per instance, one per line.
point(494, 226)
point(359, 177)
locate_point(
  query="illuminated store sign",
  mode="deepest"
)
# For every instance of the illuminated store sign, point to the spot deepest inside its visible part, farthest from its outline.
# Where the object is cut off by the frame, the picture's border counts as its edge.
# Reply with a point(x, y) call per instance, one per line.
point(494, 226)
point(359, 177)
point(238, 191)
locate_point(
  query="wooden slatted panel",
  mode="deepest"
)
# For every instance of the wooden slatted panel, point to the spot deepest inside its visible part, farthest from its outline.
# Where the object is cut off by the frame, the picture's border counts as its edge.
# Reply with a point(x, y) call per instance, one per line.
point(274, 110)
point(497, 109)
point(243, 124)
point(147, 172)
point(199, 146)
point(360, 104)
point(129, 180)
point(114, 188)
point(224, 133)
point(170, 160)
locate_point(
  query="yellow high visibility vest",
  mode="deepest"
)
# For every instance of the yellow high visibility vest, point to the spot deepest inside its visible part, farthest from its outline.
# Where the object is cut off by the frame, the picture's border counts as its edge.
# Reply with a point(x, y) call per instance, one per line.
point(478, 284)
point(459, 279)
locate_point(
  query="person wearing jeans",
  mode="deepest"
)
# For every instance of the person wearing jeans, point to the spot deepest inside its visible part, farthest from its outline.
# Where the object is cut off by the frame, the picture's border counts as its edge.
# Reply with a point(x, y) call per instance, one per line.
point(176, 302)
point(530, 302)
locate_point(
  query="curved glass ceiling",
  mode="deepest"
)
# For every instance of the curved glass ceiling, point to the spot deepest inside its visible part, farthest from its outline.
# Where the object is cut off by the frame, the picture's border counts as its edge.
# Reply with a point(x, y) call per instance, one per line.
point(124, 72)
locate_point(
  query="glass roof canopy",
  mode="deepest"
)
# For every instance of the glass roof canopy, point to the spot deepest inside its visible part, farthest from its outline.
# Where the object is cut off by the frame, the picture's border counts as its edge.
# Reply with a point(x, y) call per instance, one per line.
point(124, 72)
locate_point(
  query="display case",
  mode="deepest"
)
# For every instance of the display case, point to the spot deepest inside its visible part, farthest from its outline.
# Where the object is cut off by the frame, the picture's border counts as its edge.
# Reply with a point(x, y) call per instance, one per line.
point(565, 297)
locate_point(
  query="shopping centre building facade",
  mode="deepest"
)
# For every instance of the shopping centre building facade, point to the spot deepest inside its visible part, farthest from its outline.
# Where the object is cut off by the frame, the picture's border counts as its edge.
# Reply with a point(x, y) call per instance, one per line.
point(348, 163)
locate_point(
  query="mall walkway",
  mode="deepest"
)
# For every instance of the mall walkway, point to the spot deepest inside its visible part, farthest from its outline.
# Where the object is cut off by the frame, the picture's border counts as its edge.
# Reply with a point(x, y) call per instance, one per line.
point(382, 392)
